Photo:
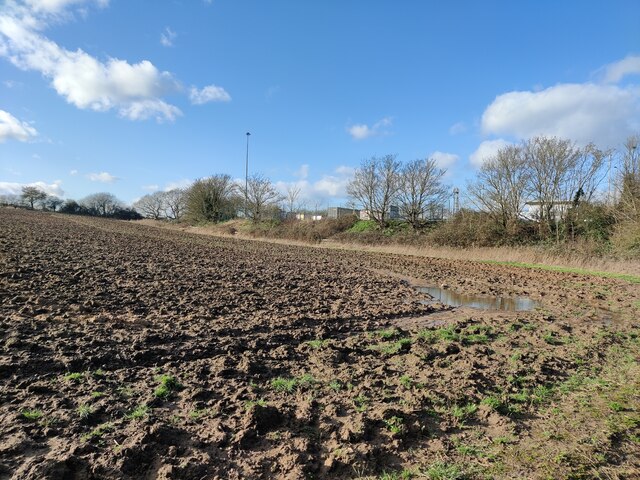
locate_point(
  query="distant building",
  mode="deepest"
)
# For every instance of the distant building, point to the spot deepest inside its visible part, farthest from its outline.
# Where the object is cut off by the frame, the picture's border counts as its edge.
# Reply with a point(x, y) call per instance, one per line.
point(392, 214)
point(558, 212)
point(340, 212)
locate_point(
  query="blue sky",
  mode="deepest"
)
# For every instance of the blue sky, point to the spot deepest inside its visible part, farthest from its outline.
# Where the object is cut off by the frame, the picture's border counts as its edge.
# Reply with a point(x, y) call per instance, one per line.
point(133, 96)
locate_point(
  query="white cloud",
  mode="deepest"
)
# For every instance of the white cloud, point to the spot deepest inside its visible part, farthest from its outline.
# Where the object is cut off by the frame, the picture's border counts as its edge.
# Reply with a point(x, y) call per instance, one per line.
point(144, 109)
point(210, 93)
point(444, 160)
point(151, 188)
point(345, 171)
point(616, 71)
point(13, 188)
point(486, 150)
point(328, 189)
point(303, 172)
point(167, 37)
point(133, 89)
point(184, 183)
point(363, 131)
point(604, 114)
point(56, 6)
point(13, 129)
point(73, 172)
point(103, 177)
point(457, 128)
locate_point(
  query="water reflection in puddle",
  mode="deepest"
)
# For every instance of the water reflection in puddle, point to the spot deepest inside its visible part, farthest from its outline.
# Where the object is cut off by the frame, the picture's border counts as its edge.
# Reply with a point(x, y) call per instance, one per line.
point(511, 304)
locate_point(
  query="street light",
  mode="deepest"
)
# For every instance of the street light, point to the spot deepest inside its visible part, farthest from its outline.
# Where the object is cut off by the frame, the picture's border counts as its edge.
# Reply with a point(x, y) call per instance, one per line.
point(246, 178)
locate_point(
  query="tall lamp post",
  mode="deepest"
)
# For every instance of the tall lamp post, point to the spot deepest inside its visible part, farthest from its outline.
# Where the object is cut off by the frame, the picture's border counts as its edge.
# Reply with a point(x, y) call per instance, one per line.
point(246, 178)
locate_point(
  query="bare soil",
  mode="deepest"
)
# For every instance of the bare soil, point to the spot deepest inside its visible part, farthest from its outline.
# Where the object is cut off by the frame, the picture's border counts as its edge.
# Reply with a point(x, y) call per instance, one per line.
point(132, 352)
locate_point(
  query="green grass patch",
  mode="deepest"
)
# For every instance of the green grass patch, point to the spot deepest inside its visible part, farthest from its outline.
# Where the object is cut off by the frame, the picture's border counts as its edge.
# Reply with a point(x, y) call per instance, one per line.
point(261, 402)
point(406, 381)
point(468, 336)
point(395, 425)
point(84, 411)
point(317, 344)
point(444, 471)
point(168, 385)
point(386, 334)
point(73, 377)
point(31, 415)
point(138, 413)
point(401, 475)
point(361, 403)
point(98, 432)
point(286, 385)
point(363, 226)
point(463, 412)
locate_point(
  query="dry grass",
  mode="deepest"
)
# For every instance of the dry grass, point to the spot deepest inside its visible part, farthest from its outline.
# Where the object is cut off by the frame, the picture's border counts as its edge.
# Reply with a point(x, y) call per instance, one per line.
point(521, 255)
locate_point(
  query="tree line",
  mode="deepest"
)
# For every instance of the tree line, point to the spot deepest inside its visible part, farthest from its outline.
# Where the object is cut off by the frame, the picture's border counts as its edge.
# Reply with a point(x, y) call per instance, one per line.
point(101, 204)
point(210, 199)
point(542, 188)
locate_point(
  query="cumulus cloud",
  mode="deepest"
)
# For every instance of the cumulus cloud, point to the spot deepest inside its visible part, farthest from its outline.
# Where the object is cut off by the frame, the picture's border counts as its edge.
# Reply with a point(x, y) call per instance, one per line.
point(486, 150)
point(604, 114)
point(134, 90)
point(184, 183)
point(13, 129)
point(444, 160)
point(73, 172)
point(104, 177)
point(167, 37)
point(210, 93)
point(616, 71)
point(328, 189)
point(13, 188)
point(363, 131)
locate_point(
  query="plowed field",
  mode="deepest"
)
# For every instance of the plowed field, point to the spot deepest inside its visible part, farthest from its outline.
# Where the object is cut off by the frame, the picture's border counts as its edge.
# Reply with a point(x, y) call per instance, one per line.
point(128, 351)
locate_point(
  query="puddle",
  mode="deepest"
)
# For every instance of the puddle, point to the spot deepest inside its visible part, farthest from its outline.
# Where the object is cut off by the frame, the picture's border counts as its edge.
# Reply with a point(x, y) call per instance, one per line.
point(510, 304)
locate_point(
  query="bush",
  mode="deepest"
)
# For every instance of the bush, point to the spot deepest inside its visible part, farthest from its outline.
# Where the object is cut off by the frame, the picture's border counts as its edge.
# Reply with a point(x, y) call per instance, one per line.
point(625, 239)
point(301, 230)
point(468, 229)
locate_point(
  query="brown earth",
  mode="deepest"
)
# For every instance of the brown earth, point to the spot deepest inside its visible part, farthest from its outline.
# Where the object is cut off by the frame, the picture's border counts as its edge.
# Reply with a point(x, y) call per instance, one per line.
point(137, 352)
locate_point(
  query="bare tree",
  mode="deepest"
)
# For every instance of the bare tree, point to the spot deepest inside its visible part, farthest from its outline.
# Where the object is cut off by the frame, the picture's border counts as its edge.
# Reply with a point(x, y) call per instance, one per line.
point(211, 199)
point(549, 159)
point(561, 176)
point(152, 205)
point(293, 192)
point(102, 203)
point(53, 202)
point(375, 185)
point(261, 195)
point(501, 187)
point(628, 181)
point(11, 199)
point(176, 203)
point(32, 195)
point(420, 186)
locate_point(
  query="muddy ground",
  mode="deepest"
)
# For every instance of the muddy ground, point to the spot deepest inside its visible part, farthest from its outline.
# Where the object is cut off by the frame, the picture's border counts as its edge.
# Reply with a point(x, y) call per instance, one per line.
point(132, 352)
